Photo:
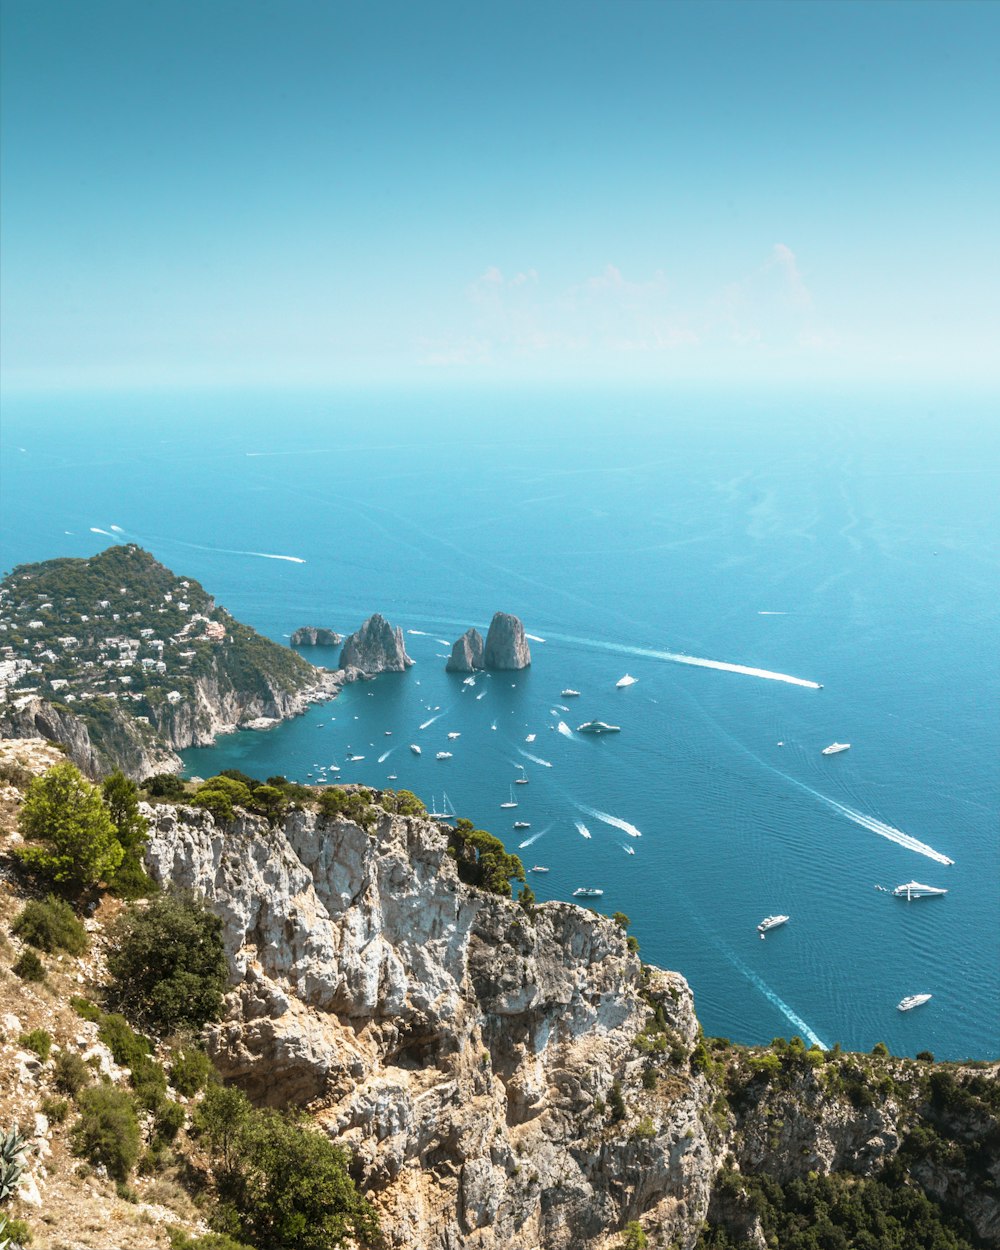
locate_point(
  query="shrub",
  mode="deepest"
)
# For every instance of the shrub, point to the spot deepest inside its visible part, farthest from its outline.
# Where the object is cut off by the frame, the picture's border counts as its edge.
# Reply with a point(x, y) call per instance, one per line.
point(169, 1120)
point(354, 805)
point(633, 1238)
point(38, 1040)
point(72, 840)
point(164, 786)
point(15, 1232)
point(616, 1103)
point(122, 799)
point(29, 967)
point(179, 1240)
point(644, 1130)
point(127, 1047)
point(85, 1009)
point(926, 1056)
point(51, 925)
point(621, 919)
point(270, 802)
point(150, 1084)
point(55, 1110)
point(168, 965)
point(190, 1071)
point(881, 1050)
point(107, 1131)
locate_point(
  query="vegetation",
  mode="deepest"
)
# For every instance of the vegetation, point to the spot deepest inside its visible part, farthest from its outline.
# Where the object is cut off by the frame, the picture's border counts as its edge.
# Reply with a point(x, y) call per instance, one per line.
point(13, 1150)
point(633, 1238)
point(122, 799)
point(39, 1041)
point(190, 1070)
point(107, 1131)
point(168, 965)
point(29, 967)
point(336, 802)
point(483, 860)
point(70, 1073)
point(72, 840)
point(50, 924)
point(165, 786)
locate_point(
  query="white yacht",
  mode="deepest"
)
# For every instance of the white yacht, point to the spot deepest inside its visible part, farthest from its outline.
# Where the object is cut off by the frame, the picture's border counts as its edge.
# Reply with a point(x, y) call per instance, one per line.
point(353, 759)
point(522, 824)
point(913, 889)
point(447, 812)
point(771, 922)
point(626, 681)
point(569, 694)
point(414, 748)
point(598, 727)
point(911, 1001)
point(835, 748)
point(587, 891)
point(511, 802)
point(539, 868)
point(443, 755)
point(454, 734)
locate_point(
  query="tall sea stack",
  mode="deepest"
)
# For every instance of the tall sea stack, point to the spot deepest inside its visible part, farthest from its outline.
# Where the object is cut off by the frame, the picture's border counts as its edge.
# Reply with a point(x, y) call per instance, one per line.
point(466, 654)
point(506, 645)
point(375, 648)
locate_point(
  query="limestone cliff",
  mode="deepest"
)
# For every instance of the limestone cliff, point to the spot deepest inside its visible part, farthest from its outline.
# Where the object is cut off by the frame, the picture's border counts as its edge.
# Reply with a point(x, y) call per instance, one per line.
point(374, 648)
point(466, 653)
point(311, 636)
point(506, 645)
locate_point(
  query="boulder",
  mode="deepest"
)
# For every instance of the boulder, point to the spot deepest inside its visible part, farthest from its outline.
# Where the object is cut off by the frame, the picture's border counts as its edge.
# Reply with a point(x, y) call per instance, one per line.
point(311, 636)
point(375, 648)
point(506, 645)
point(466, 654)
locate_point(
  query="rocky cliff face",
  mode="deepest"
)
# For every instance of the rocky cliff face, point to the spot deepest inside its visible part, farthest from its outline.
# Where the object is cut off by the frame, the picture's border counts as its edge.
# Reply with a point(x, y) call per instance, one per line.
point(311, 636)
point(466, 653)
point(375, 648)
point(506, 645)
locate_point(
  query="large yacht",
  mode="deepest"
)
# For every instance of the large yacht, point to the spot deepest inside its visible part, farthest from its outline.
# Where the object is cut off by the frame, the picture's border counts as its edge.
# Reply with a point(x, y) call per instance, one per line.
point(587, 891)
point(913, 889)
point(414, 748)
point(771, 922)
point(835, 748)
point(627, 680)
point(598, 727)
point(911, 1001)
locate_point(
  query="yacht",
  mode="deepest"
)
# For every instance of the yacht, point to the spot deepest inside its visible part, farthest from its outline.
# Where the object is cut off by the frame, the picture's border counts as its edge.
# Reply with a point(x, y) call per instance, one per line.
point(522, 824)
point(569, 694)
point(911, 1001)
point(353, 759)
point(913, 889)
point(539, 868)
point(447, 812)
point(414, 748)
point(511, 802)
point(587, 891)
point(531, 737)
point(626, 681)
point(835, 748)
point(520, 781)
point(391, 777)
point(598, 727)
point(771, 922)
point(454, 734)
point(443, 755)
point(388, 733)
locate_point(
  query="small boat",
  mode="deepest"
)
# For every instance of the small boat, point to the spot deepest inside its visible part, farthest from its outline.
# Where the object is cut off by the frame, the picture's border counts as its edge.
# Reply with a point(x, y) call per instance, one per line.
point(627, 680)
point(511, 802)
point(771, 922)
point(628, 849)
point(443, 755)
point(469, 681)
point(520, 781)
point(334, 768)
point(911, 1001)
point(531, 737)
point(392, 777)
point(539, 868)
point(913, 889)
point(587, 891)
point(454, 734)
point(353, 759)
point(522, 824)
point(388, 733)
point(569, 694)
point(414, 748)
point(598, 727)
point(835, 748)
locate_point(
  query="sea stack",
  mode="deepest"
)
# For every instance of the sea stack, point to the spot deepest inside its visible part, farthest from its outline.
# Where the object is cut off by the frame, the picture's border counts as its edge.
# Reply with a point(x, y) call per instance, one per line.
point(375, 648)
point(506, 645)
point(310, 636)
point(466, 654)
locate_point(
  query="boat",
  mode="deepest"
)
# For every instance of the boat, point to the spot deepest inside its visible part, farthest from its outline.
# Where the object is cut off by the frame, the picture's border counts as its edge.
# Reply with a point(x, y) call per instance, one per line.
point(627, 849)
point(531, 737)
point(520, 781)
point(598, 727)
point(511, 802)
point(835, 748)
point(587, 891)
point(454, 734)
point(388, 733)
point(539, 868)
point(414, 748)
point(569, 694)
point(771, 922)
point(447, 811)
point(911, 1001)
point(353, 759)
point(522, 824)
point(627, 680)
point(391, 777)
point(913, 889)
point(443, 755)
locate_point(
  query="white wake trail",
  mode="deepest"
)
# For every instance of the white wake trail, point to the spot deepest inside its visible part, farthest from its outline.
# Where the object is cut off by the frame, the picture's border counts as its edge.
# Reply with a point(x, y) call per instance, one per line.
point(106, 533)
point(534, 837)
point(804, 1029)
point(534, 758)
point(582, 829)
point(534, 638)
point(564, 729)
point(615, 821)
point(432, 720)
point(385, 755)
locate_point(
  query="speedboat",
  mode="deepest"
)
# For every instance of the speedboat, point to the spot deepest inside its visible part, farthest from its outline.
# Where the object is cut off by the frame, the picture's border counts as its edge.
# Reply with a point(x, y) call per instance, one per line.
point(587, 891)
point(454, 734)
point(911, 1001)
point(913, 889)
point(598, 727)
point(392, 777)
point(835, 748)
point(569, 694)
point(539, 868)
point(443, 755)
point(771, 922)
point(522, 824)
point(353, 759)
point(414, 748)
point(626, 681)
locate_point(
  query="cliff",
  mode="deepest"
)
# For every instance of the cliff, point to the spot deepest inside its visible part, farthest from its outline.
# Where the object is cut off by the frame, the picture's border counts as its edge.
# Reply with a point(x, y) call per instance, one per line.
point(506, 646)
point(374, 648)
point(466, 653)
point(311, 636)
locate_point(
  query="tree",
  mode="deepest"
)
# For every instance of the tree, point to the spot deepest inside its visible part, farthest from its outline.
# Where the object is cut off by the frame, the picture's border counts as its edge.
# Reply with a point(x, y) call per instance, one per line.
point(634, 1238)
point(168, 964)
point(270, 802)
point(122, 799)
point(77, 841)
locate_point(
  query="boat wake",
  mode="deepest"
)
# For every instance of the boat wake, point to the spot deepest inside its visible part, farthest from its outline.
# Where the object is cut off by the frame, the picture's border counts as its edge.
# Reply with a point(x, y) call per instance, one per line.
point(757, 981)
point(427, 723)
point(534, 638)
point(534, 758)
point(564, 729)
point(422, 632)
point(385, 755)
point(534, 837)
point(106, 533)
point(614, 821)
point(582, 829)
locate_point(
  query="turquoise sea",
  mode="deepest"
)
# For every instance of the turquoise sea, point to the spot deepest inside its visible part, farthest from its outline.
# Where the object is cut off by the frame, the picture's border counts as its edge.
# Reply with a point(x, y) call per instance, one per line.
point(848, 542)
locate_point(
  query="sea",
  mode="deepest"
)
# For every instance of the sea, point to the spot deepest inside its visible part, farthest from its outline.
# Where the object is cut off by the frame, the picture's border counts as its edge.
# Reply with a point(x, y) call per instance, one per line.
point(777, 572)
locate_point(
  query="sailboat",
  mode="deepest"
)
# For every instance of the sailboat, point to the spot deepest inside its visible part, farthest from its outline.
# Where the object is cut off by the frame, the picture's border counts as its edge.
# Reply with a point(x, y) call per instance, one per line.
point(447, 811)
point(522, 780)
point(512, 802)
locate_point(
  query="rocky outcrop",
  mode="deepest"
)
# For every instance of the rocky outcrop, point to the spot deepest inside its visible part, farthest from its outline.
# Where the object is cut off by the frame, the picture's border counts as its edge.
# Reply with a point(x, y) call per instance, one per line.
point(466, 653)
point(375, 648)
point(311, 636)
point(506, 645)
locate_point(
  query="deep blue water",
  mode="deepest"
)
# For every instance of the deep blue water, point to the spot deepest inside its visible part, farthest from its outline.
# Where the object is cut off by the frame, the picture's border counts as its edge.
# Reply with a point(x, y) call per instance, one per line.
point(847, 541)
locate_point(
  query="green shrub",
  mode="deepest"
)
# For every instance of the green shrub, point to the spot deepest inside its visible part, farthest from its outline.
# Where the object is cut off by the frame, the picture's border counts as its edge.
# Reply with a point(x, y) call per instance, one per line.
point(164, 786)
point(621, 919)
point(179, 1240)
point(29, 967)
point(127, 1047)
point(107, 1131)
point(644, 1130)
point(633, 1238)
point(16, 1232)
point(616, 1103)
point(38, 1040)
point(55, 1110)
point(51, 925)
point(71, 838)
point(150, 1083)
point(190, 1070)
point(168, 965)
point(85, 1009)
point(169, 1120)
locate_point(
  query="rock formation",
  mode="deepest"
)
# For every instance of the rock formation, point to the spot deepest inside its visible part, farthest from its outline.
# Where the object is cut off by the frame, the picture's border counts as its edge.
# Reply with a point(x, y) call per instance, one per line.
point(375, 648)
point(506, 645)
point(311, 636)
point(466, 653)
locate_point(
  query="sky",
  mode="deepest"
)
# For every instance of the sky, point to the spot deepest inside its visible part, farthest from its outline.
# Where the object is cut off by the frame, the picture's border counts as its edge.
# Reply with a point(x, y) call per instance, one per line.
point(558, 193)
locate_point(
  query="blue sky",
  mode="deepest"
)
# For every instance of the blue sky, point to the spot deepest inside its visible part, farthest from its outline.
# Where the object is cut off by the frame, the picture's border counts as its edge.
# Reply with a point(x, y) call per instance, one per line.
point(559, 193)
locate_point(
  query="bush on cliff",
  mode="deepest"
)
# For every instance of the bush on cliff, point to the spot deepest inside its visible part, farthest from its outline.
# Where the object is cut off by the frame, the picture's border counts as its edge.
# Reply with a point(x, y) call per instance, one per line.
point(353, 805)
point(483, 860)
point(168, 964)
point(50, 925)
point(165, 786)
point(107, 1131)
point(122, 799)
point(72, 838)
point(219, 795)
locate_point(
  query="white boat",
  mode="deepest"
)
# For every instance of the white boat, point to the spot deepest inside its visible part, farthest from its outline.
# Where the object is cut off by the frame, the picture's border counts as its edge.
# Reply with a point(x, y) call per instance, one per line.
point(539, 868)
point(522, 824)
point(598, 727)
point(392, 777)
point(414, 748)
point(587, 891)
point(443, 755)
point(626, 681)
point(469, 681)
point(569, 694)
point(913, 889)
point(353, 759)
point(627, 849)
point(911, 1001)
point(388, 733)
point(531, 737)
point(835, 748)
point(771, 922)
point(511, 802)
point(454, 734)
point(447, 812)
point(520, 781)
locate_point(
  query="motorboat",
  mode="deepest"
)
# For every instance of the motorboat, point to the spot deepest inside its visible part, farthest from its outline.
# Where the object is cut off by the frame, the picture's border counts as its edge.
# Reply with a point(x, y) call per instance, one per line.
point(353, 759)
point(627, 849)
point(414, 748)
point(539, 868)
point(598, 727)
point(587, 891)
point(531, 737)
point(511, 802)
point(913, 889)
point(569, 694)
point(454, 734)
point(627, 680)
point(835, 748)
point(771, 922)
point(522, 824)
point(443, 755)
point(911, 1001)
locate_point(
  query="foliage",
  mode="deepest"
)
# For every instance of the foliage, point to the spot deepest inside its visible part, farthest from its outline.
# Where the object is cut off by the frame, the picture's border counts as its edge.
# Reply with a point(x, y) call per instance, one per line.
point(633, 944)
point(127, 1047)
point(645, 1130)
point(51, 925)
point(621, 919)
point(633, 1238)
point(72, 840)
point(150, 1084)
point(39, 1041)
point(85, 1009)
point(336, 802)
point(179, 1240)
point(190, 1070)
point(107, 1131)
point(219, 795)
point(616, 1103)
point(14, 1233)
point(168, 965)
point(29, 967)
point(70, 1074)
point(270, 802)
point(165, 786)
point(483, 860)
point(169, 1120)
point(122, 799)
point(55, 1110)
point(13, 1149)
point(402, 803)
